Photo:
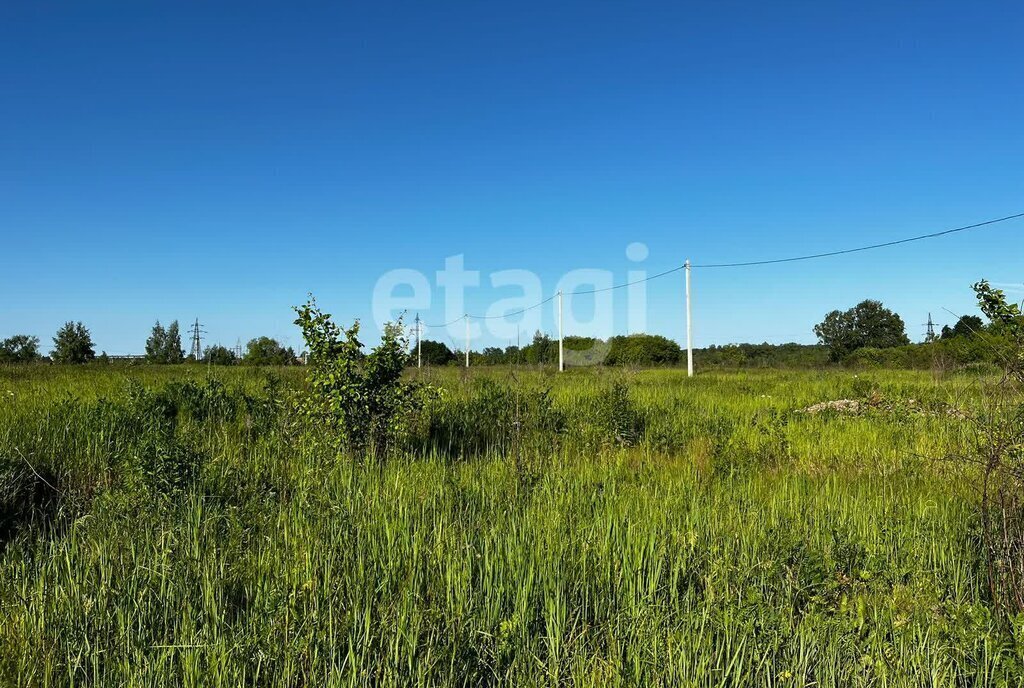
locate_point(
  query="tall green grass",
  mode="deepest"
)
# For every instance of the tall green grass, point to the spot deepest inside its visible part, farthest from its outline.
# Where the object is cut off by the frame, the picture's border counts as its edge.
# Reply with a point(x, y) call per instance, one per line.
point(593, 528)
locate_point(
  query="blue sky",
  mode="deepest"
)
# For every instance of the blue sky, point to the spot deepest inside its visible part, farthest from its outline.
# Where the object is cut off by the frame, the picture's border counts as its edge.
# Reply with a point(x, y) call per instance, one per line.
point(174, 160)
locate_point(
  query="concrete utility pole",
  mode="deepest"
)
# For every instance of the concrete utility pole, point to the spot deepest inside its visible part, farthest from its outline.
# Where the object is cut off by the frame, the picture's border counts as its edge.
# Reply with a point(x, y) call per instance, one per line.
point(561, 356)
point(466, 316)
point(689, 325)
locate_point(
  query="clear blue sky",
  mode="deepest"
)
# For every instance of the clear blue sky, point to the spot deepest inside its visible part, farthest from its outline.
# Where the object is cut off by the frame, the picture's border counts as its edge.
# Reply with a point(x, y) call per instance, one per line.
point(173, 160)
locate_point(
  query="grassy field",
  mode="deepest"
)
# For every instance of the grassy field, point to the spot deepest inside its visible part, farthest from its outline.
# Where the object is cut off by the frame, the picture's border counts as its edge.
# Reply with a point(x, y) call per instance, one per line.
point(179, 526)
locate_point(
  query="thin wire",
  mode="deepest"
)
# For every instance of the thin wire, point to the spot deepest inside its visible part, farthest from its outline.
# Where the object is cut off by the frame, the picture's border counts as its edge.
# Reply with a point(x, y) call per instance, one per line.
point(860, 248)
point(491, 317)
point(629, 284)
point(450, 322)
point(744, 264)
point(509, 315)
point(796, 258)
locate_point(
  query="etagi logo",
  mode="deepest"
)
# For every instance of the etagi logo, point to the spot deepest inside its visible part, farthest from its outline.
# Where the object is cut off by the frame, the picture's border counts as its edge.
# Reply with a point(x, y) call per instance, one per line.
point(587, 300)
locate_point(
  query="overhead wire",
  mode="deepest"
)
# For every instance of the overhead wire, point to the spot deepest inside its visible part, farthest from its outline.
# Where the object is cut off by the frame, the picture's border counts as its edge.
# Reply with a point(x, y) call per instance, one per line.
point(773, 261)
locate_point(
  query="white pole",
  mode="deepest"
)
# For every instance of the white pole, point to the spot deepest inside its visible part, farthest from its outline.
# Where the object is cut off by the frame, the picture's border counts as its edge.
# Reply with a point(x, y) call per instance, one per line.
point(467, 339)
point(419, 342)
point(561, 356)
point(689, 325)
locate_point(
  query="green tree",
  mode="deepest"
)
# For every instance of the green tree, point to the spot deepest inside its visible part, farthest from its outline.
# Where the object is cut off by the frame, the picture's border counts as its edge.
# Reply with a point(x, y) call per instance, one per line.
point(73, 344)
point(541, 350)
point(264, 351)
point(868, 324)
point(491, 355)
point(156, 344)
point(219, 355)
point(172, 350)
point(21, 348)
point(1007, 322)
point(434, 353)
point(584, 351)
point(966, 326)
point(642, 349)
point(356, 398)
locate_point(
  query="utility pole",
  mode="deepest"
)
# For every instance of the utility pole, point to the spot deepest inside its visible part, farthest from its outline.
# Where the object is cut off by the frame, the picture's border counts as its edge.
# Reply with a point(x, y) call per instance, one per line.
point(689, 325)
point(561, 356)
point(197, 341)
point(930, 333)
point(419, 347)
point(466, 316)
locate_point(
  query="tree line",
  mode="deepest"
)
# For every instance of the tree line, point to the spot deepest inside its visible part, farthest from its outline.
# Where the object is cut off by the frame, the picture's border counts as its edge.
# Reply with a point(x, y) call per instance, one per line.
point(866, 334)
point(633, 349)
point(869, 334)
point(73, 344)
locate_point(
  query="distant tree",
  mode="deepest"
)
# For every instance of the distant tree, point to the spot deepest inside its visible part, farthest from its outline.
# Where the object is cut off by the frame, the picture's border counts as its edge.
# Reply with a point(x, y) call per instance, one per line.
point(434, 353)
point(489, 355)
point(219, 355)
point(156, 345)
point(173, 353)
point(265, 351)
point(966, 326)
point(73, 344)
point(541, 350)
point(584, 351)
point(642, 349)
point(21, 348)
point(868, 324)
point(164, 345)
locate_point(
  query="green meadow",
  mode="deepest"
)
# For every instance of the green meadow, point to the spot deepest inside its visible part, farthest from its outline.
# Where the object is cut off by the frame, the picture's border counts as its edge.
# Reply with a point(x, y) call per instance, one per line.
point(182, 525)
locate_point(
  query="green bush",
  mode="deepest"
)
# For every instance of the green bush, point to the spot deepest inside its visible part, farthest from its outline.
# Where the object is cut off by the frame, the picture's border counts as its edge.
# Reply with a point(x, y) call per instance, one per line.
point(642, 350)
point(357, 401)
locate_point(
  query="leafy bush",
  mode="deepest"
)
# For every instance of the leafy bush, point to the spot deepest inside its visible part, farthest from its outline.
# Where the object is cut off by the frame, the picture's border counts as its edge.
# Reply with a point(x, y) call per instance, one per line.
point(764, 355)
point(264, 351)
point(642, 349)
point(619, 417)
point(999, 452)
point(358, 400)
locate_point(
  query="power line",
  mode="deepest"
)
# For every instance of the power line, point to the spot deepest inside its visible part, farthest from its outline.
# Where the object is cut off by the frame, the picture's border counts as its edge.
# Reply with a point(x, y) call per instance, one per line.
point(772, 261)
point(863, 248)
point(492, 317)
point(794, 259)
point(509, 315)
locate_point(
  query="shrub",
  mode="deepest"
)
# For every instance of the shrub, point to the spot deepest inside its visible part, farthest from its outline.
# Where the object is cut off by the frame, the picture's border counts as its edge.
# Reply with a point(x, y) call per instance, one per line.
point(358, 399)
point(642, 349)
point(616, 414)
point(264, 351)
point(999, 452)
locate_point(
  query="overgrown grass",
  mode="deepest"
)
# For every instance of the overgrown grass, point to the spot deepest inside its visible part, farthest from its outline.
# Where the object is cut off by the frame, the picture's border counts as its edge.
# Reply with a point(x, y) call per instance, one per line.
point(599, 527)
